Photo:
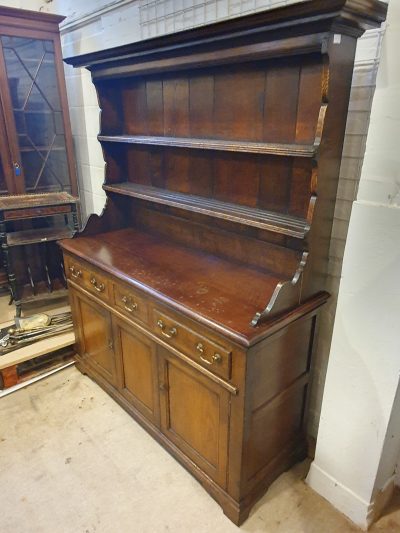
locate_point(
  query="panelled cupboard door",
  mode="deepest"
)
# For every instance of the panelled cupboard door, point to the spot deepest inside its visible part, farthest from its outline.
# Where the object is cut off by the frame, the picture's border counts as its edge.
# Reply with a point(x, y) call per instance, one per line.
point(194, 415)
point(137, 375)
point(95, 336)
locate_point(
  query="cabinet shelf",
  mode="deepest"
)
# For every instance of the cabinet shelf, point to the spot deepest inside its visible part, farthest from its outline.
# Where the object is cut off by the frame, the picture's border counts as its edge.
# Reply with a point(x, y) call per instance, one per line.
point(250, 216)
point(19, 238)
point(42, 292)
point(281, 149)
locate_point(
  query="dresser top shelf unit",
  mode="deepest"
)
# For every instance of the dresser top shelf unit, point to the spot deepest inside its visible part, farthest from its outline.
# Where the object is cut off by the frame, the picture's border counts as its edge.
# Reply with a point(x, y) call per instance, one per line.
point(230, 133)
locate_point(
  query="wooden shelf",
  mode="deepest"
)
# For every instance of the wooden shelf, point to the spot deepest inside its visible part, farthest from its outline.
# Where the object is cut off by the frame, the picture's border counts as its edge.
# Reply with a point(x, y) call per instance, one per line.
point(250, 216)
point(297, 150)
point(22, 201)
point(42, 292)
point(18, 238)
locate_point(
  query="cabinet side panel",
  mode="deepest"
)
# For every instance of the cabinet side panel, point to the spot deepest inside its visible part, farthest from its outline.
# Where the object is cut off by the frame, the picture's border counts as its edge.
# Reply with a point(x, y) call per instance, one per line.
point(279, 362)
point(278, 373)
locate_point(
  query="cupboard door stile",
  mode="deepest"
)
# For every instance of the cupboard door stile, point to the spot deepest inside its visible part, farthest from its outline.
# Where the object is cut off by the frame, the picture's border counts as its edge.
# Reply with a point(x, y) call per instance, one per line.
point(137, 369)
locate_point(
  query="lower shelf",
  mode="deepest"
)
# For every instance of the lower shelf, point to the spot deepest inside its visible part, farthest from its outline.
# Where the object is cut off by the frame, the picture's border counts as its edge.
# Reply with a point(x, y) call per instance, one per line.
point(32, 236)
point(27, 294)
point(250, 216)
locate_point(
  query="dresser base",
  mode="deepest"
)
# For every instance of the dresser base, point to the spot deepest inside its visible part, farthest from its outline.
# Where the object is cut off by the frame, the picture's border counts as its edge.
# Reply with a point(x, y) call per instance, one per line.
point(237, 512)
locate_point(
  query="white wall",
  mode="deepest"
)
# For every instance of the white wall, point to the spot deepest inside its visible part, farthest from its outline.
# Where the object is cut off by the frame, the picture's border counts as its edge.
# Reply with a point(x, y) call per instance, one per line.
point(34, 5)
point(359, 434)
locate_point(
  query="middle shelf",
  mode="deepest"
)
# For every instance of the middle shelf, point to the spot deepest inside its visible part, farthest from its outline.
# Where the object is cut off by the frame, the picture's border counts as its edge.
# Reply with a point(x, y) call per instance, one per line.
point(284, 149)
point(250, 216)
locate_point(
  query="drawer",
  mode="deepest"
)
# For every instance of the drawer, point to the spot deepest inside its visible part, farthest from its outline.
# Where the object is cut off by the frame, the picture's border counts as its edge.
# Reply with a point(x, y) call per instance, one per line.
point(129, 302)
point(87, 277)
point(196, 346)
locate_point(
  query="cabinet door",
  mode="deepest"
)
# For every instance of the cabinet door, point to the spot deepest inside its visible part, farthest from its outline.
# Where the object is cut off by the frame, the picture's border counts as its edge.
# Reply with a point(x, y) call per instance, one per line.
point(137, 375)
point(36, 116)
point(194, 415)
point(95, 341)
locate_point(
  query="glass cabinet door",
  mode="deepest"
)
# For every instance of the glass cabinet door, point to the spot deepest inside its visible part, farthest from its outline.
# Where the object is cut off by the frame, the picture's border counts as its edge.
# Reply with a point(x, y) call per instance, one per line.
point(38, 116)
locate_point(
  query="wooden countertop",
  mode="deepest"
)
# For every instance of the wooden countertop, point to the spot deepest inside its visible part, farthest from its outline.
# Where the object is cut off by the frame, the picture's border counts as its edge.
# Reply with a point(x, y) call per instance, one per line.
point(223, 294)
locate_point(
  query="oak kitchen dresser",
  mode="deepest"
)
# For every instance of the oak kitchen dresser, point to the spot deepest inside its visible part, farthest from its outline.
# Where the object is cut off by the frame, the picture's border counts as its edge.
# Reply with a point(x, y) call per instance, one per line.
point(195, 295)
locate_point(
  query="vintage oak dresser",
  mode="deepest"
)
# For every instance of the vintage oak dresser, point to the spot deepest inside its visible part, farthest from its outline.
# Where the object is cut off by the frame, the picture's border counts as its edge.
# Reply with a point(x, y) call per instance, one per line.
point(195, 295)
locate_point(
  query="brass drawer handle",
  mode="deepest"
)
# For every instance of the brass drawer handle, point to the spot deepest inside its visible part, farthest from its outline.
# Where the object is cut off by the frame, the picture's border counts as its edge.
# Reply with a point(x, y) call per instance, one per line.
point(128, 304)
point(74, 272)
point(98, 286)
point(216, 358)
point(172, 331)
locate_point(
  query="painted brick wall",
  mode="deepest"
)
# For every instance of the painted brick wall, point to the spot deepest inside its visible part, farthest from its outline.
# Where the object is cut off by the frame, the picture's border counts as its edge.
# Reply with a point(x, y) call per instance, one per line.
point(98, 24)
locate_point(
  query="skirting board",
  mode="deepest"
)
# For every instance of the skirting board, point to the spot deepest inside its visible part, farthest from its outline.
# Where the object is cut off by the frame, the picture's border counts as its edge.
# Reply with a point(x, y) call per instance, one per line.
point(359, 511)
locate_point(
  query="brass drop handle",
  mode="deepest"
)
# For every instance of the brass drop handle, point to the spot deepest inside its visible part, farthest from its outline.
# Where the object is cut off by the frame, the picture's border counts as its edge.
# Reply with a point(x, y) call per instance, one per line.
point(171, 333)
point(216, 358)
point(128, 304)
point(98, 286)
point(74, 272)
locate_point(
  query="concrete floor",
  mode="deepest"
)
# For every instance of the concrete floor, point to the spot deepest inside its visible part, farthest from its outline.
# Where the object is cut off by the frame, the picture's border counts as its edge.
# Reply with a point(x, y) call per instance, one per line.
point(72, 461)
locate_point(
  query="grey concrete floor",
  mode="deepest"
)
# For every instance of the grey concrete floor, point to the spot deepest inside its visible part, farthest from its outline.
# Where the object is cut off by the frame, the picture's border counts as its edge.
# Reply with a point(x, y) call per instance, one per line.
point(72, 461)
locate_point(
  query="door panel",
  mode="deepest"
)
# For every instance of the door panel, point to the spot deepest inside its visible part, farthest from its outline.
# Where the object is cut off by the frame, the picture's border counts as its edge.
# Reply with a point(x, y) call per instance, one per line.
point(95, 336)
point(194, 415)
point(30, 66)
point(136, 356)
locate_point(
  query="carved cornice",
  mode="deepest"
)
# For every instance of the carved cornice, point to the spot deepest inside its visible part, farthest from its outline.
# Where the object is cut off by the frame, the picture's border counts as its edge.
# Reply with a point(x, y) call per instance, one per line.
point(351, 17)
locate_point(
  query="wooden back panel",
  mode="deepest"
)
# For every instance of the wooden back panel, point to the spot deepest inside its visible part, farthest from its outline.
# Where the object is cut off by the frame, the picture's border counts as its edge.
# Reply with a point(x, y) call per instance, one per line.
point(274, 101)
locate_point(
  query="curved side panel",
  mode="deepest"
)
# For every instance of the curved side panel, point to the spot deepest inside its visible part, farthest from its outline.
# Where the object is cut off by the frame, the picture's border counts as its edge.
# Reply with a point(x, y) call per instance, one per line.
point(285, 295)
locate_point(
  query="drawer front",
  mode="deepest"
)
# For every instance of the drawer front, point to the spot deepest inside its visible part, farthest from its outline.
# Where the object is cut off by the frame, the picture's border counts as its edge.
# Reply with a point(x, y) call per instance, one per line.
point(196, 346)
point(130, 303)
point(87, 277)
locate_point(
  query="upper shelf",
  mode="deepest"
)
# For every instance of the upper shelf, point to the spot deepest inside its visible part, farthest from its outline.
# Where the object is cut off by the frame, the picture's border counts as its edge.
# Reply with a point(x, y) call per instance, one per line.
point(250, 216)
point(19, 238)
point(299, 150)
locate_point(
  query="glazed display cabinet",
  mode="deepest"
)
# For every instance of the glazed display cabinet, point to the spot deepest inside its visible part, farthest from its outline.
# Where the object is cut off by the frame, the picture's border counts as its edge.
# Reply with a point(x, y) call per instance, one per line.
point(36, 153)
